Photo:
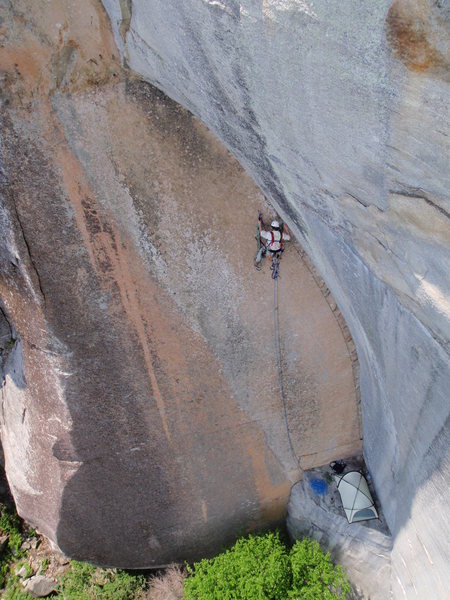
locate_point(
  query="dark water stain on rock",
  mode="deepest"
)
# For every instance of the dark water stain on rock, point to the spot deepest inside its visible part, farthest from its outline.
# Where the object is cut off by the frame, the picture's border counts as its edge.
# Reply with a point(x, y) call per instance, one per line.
point(416, 31)
point(173, 122)
point(64, 63)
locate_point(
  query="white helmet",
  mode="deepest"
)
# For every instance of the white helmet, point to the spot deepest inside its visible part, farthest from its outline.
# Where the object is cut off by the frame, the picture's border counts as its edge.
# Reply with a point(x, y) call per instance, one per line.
point(275, 225)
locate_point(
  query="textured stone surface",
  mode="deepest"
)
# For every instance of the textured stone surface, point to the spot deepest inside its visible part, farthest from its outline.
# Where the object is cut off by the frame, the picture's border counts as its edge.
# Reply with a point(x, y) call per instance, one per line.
point(40, 586)
point(339, 110)
point(142, 421)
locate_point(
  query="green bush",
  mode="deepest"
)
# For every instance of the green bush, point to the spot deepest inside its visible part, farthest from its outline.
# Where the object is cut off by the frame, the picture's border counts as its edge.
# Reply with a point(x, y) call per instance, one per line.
point(261, 568)
point(14, 591)
point(44, 565)
point(314, 575)
point(84, 582)
point(255, 567)
point(10, 525)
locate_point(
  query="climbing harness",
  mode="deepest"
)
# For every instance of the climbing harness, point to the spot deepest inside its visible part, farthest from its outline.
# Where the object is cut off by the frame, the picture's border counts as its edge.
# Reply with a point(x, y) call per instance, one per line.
point(280, 241)
point(278, 356)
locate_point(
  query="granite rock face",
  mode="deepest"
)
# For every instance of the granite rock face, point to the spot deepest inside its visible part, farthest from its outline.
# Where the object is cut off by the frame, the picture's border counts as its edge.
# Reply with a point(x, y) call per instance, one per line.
point(339, 111)
point(142, 420)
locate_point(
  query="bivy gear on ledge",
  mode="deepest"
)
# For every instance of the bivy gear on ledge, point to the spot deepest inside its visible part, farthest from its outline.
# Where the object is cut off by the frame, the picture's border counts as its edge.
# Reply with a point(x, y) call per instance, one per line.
point(356, 497)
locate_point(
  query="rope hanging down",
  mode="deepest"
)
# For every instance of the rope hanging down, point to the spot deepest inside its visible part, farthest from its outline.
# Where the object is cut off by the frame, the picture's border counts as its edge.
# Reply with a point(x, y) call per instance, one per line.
point(278, 360)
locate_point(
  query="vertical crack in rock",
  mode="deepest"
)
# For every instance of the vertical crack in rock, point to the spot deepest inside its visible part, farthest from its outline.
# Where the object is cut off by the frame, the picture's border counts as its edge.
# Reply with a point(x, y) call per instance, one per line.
point(27, 245)
point(6, 339)
point(125, 9)
point(5, 327)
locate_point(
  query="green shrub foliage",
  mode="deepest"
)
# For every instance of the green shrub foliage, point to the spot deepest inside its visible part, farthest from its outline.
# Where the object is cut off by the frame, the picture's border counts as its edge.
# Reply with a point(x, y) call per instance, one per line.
point(84, 582)
point(10, 525)
point(255, 567)
point(314, 575)
point(261, 568)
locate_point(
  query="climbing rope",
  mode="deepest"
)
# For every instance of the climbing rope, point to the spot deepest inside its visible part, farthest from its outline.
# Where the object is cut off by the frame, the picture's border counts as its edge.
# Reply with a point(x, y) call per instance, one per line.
point(278, 360)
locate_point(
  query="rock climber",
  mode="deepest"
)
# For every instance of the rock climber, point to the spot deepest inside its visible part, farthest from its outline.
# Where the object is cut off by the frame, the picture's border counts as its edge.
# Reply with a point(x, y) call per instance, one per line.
point(275, 238)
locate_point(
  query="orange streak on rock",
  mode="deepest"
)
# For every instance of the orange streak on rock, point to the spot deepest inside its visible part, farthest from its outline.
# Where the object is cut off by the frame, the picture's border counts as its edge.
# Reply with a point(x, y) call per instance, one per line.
point(410, 36)
point(274, 497)
point(107, 253)
point(25, 61)
point(129, 300)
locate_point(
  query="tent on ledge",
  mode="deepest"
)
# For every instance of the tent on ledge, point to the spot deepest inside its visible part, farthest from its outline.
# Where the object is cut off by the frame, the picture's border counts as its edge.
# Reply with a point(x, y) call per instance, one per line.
point(356, 497)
